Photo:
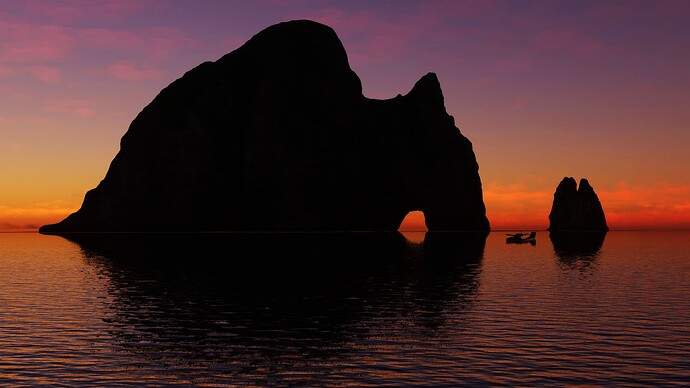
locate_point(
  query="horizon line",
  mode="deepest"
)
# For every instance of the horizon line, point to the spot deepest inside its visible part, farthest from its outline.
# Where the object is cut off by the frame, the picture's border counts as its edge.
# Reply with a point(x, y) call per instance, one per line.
point(413, 230)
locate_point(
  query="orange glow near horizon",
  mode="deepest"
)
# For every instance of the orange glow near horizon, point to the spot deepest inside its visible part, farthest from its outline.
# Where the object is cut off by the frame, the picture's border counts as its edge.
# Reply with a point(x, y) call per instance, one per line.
point(512, 207)
point(547, 92)
point(515, 207)
point(20, 219)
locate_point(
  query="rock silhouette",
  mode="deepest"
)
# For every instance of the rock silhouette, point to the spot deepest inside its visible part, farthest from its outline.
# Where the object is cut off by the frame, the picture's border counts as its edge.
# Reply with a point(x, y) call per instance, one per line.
point(277, 136)
point(576, 208)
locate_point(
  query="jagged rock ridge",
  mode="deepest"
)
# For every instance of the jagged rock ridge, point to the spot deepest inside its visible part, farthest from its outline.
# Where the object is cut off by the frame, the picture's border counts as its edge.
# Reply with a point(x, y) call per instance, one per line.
point(576, 208)
point(277, 136)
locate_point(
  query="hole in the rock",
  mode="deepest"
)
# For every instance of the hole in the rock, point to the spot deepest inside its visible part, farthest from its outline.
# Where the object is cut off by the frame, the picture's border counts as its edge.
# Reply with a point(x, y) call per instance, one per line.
point(413, 226)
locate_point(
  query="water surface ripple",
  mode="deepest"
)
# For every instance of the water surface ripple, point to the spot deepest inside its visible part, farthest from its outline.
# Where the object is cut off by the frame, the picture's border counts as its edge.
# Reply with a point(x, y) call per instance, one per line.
point(344, 310)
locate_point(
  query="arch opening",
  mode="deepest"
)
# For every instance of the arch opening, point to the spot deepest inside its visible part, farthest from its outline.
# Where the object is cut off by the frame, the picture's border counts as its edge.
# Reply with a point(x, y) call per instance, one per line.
point(413, 222)
point(413, 226)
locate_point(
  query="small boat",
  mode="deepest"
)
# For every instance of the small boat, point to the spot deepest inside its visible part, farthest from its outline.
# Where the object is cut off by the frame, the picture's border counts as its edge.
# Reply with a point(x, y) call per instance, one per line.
point(518, 238)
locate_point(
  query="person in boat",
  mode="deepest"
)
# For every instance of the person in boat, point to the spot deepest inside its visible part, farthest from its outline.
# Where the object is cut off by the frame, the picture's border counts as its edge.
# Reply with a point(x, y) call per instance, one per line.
point(517, 236)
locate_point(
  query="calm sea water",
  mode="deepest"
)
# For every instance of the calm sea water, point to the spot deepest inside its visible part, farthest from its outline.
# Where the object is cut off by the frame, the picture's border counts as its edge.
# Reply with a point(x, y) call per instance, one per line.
point(344, 310)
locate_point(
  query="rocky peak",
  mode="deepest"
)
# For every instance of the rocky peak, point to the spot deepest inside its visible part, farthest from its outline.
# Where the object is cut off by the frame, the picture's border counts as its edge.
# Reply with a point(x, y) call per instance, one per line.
point(576, 208)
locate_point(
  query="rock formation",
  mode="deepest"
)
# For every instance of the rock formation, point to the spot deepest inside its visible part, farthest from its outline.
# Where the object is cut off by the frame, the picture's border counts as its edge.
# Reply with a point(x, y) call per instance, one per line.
point(576, 208)
point(277, 136)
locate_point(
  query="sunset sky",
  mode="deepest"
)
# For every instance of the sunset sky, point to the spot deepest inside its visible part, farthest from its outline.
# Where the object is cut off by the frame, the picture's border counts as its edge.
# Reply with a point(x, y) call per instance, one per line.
point(543, 89)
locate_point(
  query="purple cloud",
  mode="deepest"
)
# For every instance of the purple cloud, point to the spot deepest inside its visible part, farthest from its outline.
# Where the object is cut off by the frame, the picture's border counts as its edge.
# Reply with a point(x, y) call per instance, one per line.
point(46, 74)
point(127, 71)
point(28, 43)
point(78, 107)
point(72, 11)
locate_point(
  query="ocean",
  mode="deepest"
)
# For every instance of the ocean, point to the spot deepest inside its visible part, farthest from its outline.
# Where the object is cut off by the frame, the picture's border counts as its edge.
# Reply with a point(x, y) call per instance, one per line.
point(350, 309)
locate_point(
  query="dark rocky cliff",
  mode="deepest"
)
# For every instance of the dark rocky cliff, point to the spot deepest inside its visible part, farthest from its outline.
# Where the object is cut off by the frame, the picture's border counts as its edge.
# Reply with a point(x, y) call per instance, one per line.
point(576, 208)
point(277, 136)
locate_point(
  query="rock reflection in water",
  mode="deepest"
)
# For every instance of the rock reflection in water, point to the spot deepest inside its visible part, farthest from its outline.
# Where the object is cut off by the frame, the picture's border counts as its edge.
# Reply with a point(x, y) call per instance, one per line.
point(262, 307)
point(577, 249)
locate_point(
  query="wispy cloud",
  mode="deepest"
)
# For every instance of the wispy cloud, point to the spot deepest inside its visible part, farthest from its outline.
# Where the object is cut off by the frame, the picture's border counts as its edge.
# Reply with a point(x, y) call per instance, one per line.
point(513, 64)
point(151, 44)
point(378, 38)
point(12, 145)
point(46, 74)
point(571, 41)
point(662, 204)
point(106, 38)
point(43, 50)
point(128, 71)
point(372, 39)
point(30, 217)
point(78, 107)
point(31, 43)
point(6, 72)
point(72, 11)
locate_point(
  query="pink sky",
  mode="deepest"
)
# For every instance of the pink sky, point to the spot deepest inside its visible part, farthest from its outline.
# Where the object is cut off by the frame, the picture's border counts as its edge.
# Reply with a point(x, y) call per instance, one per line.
point(543, 89)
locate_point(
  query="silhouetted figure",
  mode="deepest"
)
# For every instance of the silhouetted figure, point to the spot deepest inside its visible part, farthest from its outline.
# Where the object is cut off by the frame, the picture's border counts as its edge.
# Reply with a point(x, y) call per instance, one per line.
point(576, 209)
point(277, 136)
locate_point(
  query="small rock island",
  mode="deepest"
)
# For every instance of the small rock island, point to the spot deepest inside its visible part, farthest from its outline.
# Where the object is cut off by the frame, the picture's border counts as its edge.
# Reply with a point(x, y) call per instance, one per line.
point(277, 136)
point(576, 209)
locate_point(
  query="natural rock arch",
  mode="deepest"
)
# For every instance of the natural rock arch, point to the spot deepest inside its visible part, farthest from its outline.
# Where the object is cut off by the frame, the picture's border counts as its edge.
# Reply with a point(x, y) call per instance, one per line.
point(277, 136)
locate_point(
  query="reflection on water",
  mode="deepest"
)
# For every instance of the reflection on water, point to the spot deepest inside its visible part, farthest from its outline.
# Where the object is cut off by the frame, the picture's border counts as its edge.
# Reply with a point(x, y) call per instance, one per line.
point(447, 309)
point(572, 245)
point(280, 300)
point(577, 249)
